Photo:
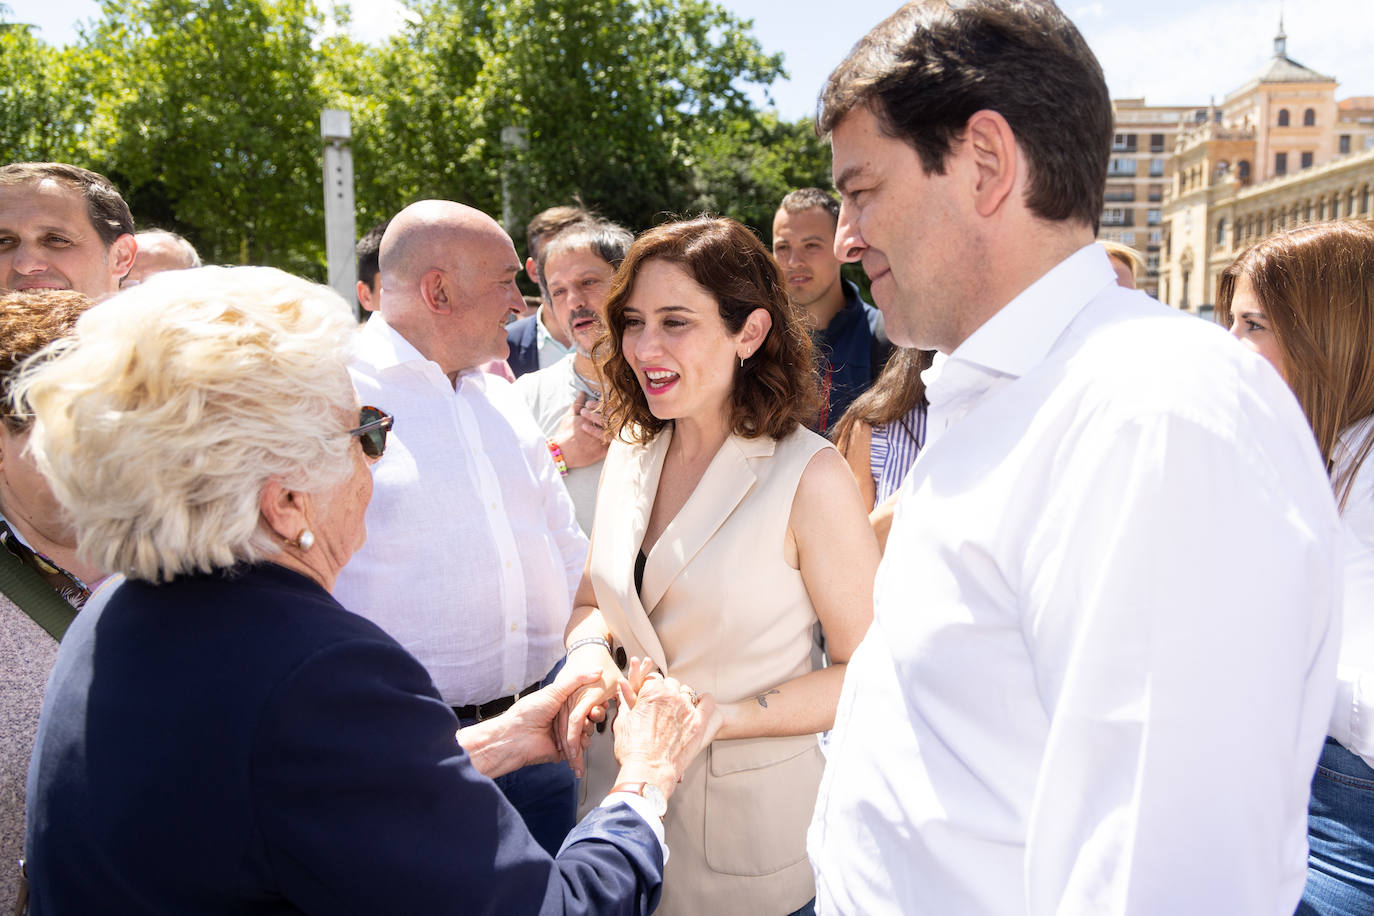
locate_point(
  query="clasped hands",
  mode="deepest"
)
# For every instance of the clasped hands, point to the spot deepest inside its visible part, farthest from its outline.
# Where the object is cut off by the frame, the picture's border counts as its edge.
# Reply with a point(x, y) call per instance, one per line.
point(661, 722)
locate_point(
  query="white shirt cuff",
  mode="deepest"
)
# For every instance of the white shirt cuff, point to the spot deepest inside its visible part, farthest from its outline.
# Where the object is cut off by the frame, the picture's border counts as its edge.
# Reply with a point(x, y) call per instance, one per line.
point(641, 807)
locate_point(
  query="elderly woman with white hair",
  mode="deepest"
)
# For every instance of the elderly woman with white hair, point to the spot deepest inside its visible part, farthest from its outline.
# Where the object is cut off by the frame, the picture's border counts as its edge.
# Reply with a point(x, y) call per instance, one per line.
point(221, 736)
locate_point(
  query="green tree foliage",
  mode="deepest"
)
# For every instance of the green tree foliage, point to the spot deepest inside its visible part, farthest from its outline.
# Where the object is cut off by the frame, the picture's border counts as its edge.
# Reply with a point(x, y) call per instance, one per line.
point(748, 165)
point(40, 118)
point(208, 119)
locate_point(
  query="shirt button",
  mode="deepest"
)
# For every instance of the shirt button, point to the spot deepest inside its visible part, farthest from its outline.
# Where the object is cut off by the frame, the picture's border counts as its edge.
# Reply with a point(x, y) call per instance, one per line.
point(515, 628)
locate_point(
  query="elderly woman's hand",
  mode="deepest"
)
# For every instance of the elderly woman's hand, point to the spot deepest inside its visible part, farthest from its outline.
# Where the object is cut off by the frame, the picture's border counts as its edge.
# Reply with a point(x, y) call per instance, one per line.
point(662, 726)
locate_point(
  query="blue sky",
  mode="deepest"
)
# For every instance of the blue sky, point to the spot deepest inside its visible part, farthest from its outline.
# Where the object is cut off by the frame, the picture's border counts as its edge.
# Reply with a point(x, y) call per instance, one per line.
point(1170, 51)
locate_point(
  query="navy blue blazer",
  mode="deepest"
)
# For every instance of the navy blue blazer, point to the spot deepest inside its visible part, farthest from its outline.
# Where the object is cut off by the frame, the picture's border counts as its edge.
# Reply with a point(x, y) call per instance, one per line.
point(240, 743)
point(523, 338)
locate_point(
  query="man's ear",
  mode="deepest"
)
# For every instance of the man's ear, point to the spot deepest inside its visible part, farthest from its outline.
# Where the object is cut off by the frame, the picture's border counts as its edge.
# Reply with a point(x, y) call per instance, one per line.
point(532, 269)
point(437, 291)
point(365, 298)
point(991, 145)
point(122, 253)
point(756, 328)
point(285, 511)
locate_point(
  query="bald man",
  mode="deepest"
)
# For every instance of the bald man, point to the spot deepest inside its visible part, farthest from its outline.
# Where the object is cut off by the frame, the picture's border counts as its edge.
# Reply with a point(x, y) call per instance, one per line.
point(160, 250)
point(473, 552)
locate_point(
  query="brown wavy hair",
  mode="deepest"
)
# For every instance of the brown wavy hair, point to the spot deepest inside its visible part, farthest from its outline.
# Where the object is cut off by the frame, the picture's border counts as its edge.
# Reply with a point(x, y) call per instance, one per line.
point(1316, 285)
point(776, 389)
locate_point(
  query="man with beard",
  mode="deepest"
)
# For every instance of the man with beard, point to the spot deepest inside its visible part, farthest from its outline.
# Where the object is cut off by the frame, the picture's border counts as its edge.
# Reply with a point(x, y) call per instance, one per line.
point(576, 268)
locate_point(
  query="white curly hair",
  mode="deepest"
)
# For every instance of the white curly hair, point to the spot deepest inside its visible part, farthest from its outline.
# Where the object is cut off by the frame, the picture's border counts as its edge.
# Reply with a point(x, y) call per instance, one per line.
point(162, 418)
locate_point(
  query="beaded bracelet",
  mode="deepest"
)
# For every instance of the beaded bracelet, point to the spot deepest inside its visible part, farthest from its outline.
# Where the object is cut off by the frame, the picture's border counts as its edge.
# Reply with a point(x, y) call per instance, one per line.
point(558, 460)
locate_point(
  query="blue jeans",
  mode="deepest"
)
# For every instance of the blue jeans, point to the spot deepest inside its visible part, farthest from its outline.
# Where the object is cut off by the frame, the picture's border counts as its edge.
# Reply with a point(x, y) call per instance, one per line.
point(808, 910)
point(1340, 836)
point(545, 794)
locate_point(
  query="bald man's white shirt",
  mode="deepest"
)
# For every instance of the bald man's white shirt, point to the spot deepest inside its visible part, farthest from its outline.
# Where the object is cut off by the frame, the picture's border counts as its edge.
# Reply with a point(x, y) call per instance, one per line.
point(1103, 654)
point(473, 552)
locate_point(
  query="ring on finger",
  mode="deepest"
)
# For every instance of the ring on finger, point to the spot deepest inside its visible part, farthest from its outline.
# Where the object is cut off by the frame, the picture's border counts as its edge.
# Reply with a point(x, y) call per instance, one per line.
point(692, 695)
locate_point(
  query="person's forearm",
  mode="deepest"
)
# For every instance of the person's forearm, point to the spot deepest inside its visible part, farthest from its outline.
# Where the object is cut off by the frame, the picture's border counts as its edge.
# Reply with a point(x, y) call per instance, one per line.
point(586, 622)
point(801, 706)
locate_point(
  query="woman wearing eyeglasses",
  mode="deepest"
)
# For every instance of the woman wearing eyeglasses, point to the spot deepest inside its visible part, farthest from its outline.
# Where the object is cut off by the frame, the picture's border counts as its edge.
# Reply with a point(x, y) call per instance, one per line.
point(1304, 300)
point(221, 736)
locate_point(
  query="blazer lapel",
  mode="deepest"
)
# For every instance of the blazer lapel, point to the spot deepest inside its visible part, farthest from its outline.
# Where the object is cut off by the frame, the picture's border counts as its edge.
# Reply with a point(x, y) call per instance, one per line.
point(728, 478)
point(640, 484)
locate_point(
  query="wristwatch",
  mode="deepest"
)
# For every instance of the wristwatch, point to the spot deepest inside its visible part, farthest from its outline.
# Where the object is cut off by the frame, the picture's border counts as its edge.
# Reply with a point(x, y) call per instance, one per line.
point(647, 791)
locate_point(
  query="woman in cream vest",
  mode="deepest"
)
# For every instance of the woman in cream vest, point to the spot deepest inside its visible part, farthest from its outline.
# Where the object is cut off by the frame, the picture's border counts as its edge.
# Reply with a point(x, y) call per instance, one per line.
point(724, 531)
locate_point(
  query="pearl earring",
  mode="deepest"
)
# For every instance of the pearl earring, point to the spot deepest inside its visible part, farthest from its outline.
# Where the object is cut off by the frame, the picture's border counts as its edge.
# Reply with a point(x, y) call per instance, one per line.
point(305, 540)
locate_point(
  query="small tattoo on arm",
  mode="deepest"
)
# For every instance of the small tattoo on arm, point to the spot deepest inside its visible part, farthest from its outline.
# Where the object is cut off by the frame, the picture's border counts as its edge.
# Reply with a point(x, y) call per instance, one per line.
point(761, 698)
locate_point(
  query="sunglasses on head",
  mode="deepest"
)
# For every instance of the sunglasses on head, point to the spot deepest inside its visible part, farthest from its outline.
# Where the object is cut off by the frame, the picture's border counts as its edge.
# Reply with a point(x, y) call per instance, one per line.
point(372, 430)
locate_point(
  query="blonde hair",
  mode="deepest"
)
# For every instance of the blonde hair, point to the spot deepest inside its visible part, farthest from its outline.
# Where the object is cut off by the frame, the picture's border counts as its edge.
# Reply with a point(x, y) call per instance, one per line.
point(161, 419)
point(1125, 254)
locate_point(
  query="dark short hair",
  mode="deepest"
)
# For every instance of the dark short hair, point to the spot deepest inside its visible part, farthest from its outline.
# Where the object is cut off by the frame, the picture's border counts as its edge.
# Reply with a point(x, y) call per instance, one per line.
point(550, 222)
point(29, 321)
point(927, 68)
point(369, 250)
point(807, 198)
point(776, 389)
point(105, 208)
point(607, 240)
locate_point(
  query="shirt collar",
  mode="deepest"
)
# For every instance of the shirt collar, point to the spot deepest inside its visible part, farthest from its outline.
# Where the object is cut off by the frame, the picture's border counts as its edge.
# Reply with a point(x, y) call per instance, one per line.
point(1020, 335)
point(383, 347)
point(542, 336)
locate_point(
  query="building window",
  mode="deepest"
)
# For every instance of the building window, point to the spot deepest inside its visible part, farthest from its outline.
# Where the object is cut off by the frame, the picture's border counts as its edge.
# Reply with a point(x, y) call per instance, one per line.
point(1117, 195)
point(1350, 203)
point(1156, 143)
point(1243, 171)
point(1123, 143)
point(1221, 232)
point(1344, 143)
point(1283, 118)
point(1156, 236)
point(1309, 118)
point(1156, 193)
point(1280, 163)
point(1336, 205)
point(1364, 201)
point(1306, 160)
point(1152, 215)
point(1156, 167)
point(1120, 167)
point(1152, 261)
point(1307, 212)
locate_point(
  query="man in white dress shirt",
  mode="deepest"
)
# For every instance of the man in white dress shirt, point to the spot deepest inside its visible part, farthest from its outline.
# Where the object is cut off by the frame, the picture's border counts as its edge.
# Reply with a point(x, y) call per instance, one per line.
point(473, 552)
point(1103, 651)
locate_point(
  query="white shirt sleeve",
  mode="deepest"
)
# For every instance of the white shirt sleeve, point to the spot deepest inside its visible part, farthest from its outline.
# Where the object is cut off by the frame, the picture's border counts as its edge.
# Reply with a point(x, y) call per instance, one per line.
point(1163, 680)
point(1352, 716)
